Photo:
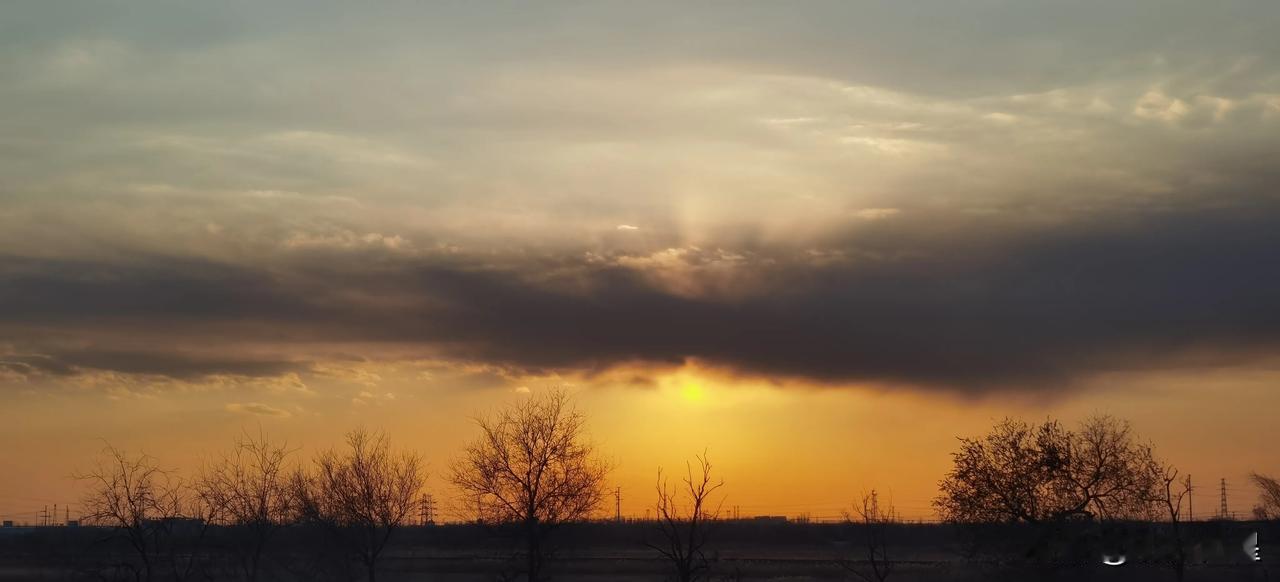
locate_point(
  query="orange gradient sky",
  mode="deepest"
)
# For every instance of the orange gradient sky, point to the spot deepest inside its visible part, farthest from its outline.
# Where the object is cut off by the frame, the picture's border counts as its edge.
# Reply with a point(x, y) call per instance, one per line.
point(820, 242)
point(789, 450)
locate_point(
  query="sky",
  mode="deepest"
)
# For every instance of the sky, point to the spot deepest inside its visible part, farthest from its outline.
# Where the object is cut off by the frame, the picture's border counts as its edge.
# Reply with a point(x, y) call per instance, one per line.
point(818, 241)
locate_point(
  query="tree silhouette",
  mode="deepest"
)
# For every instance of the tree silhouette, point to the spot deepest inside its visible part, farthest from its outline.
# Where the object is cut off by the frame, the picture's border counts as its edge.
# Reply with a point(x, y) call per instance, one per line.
point(874, 519)
point(1169, 495)
point(1045, 473)
point(685, 514)
point(1268, 506)
point(532, 466)
point(137, 498)
point(248, 489)
point(361, 495)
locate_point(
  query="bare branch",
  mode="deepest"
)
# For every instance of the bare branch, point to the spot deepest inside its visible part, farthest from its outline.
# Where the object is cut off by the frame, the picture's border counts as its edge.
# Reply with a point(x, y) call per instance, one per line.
point(532, 465)
point(361, 494)
point(685, 515)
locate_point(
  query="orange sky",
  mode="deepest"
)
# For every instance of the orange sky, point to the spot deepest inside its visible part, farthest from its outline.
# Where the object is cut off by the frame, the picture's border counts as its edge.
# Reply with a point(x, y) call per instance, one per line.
point(820, 242)
point(781, 449)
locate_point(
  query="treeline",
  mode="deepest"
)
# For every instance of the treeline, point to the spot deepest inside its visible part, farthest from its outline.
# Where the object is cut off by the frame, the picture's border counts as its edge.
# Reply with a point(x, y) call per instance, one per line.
point(1051, 477)
point(530, 471)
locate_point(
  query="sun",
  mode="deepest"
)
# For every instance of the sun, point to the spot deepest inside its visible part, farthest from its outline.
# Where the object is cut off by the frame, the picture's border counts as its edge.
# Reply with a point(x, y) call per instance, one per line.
point(691, 392)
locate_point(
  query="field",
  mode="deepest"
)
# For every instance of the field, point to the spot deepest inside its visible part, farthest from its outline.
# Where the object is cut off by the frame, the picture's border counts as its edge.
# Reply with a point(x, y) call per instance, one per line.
point(742, 550)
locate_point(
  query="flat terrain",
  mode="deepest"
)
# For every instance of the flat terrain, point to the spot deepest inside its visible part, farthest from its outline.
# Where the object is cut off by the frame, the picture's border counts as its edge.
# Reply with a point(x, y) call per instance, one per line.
point(599, 552)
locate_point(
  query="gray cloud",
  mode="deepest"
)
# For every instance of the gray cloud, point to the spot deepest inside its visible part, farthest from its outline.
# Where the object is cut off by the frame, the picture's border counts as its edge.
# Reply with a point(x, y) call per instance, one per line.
point(161, 361)
point(37, 364)
point(964, 303)
point(948, 194)
point(257, 408)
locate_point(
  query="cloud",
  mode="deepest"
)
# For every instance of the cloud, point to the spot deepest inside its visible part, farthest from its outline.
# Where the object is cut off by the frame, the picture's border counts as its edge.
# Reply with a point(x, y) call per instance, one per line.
point(1155, 105)
point(25, 365)
point(876, 213)
point(174, 364)
point(156, 362)
point(953, 196)
point(965, 302)
point(345, 240)
point(256, 408)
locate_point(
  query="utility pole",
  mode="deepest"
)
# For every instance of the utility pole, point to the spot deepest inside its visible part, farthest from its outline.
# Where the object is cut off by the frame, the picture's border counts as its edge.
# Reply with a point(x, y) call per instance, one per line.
point(1222, 511)
point(1191, 497)
point(617, 504)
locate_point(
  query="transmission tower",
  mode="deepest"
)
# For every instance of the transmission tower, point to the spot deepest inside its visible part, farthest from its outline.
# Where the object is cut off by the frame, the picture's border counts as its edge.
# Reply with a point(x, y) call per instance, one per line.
point(617, 504)
point(1222, 511)
point(428, 509)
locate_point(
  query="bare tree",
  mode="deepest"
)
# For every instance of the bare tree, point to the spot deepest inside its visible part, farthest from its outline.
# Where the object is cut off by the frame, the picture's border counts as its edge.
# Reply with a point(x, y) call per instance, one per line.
point(1169, 495)
point(685, 515)
point(532, 466)
point(1045, 473)
point(137, 498)
point(1268, 506)
point(874, 520)
point(248, 490)
point(362, 494)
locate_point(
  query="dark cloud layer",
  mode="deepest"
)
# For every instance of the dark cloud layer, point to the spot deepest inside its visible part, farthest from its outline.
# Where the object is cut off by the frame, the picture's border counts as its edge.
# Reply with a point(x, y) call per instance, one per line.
point(984, 305)
point(963, 195)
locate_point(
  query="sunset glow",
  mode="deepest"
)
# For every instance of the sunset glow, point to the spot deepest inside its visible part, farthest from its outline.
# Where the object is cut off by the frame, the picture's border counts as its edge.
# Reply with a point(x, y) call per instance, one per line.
point(819, 244)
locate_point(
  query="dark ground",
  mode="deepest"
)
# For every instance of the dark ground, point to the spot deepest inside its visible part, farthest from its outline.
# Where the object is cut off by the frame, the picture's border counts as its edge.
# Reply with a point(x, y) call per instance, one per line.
point(742, 550)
